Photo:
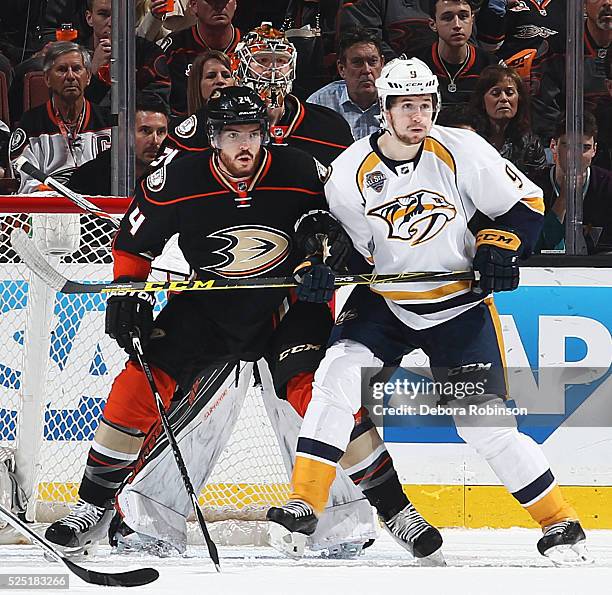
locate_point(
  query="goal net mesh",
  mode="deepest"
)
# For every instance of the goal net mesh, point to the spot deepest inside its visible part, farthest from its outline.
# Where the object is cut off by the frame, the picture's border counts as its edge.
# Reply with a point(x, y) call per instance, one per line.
point(57, 366)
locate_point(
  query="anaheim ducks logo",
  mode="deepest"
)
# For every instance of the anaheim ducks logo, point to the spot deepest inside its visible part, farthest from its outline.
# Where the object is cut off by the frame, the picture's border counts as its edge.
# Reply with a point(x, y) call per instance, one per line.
point(249, 250)
point(416, 217)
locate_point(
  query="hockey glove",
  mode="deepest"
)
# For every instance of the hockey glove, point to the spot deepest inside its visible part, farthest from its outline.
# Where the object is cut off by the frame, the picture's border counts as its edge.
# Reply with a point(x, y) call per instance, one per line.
point(315, 281)
point(127, 312)
point(496, 259)
point(320, 233)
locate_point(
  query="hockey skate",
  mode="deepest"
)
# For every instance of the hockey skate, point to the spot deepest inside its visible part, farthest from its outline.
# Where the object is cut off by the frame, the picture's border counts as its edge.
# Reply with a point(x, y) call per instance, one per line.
point(290, 526)
point(81, 529)
point(565, 544)
point(124, 540)
point(417, 536)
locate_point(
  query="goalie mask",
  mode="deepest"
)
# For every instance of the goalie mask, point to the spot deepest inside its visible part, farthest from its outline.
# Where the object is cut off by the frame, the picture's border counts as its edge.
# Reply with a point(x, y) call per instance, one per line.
point(235, 105)
point(406, 76)
point(265, 62)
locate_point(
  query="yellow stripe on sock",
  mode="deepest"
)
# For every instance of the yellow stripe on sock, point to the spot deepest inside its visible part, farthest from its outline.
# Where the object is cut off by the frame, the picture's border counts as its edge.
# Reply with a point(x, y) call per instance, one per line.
point(552, 508)
point(311, 482)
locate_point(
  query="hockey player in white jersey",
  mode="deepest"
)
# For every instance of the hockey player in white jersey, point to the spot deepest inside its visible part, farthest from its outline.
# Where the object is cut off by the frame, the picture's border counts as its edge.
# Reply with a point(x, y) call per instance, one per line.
point(418, 197)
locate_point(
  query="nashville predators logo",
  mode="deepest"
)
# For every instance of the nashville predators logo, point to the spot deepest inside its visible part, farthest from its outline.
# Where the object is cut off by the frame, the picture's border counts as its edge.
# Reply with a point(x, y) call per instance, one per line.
point(249, 250)
point(416, 217)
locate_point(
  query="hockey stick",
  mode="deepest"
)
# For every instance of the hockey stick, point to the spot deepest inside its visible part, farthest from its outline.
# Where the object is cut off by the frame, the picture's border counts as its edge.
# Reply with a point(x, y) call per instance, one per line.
point(130, 578)
point(23, 165)
point(30, 255)
point(178, 457)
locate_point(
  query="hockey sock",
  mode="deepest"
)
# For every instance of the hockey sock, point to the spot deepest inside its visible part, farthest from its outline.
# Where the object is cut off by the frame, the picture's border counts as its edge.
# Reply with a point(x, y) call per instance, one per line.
point(111, 457)
point(369, 465)
point(311, 482)
point(550, 508)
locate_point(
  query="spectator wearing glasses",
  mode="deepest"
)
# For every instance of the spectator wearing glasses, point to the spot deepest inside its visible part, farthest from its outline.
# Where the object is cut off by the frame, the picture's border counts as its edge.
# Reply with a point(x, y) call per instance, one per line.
point(355, 98)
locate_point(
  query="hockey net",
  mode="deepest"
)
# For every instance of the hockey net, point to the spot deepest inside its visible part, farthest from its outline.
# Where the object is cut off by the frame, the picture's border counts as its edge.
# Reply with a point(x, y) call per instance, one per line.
point(57, 366)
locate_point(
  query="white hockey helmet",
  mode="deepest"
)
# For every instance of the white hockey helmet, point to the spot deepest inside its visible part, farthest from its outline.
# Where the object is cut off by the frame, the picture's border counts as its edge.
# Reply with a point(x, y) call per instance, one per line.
point(406, 76)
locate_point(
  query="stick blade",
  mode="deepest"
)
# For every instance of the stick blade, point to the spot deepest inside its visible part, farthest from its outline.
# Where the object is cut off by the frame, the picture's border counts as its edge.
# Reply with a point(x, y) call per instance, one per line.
point(130, 578)
point(27, 251)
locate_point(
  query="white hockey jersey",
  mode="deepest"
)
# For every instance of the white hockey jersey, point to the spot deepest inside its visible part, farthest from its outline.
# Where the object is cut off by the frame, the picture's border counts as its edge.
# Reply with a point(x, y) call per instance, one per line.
point(415, 216)
point(40, 140)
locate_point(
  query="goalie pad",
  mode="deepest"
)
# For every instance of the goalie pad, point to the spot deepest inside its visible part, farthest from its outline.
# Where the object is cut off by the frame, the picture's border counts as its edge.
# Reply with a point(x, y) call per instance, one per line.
point(155, 502)
point(12, 497)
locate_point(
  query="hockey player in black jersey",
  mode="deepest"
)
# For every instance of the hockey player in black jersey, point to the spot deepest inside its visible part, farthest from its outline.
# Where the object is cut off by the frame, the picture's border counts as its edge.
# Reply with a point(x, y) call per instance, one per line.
point(265, 61)
point(241, 210)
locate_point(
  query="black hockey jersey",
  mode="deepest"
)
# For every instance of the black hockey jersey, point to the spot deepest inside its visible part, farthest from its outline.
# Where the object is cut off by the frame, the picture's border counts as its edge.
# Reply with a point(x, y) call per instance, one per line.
point(457, 82)
point(525, 26)
point(54, 151)
point(548, 82)
point(315, 129)
point(152, 75)
point(226, 230)
point(181, 49)
point(402, 24)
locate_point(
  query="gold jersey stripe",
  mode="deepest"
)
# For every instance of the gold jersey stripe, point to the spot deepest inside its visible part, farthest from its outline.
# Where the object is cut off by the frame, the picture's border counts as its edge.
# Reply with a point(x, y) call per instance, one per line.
point(367, 165)
point(535, 203)
point(431, 294)
point(441, 152)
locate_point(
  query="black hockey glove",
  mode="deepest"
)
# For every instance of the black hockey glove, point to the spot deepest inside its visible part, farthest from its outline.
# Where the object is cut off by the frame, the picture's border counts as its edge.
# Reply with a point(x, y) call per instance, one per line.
point(320, 233)
point(127, 312)
point(315, 281)
point(496, 259)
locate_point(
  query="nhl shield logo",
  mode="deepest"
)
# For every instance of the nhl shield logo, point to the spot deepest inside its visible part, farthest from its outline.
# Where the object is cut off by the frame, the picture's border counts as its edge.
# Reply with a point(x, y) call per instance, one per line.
point(187, 128)
point(157, 180)
point(416, 217)
point(375, 180)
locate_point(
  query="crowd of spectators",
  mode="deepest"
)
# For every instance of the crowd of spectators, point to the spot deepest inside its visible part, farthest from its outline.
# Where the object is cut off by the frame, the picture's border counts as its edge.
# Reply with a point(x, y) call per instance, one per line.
point(500, 63)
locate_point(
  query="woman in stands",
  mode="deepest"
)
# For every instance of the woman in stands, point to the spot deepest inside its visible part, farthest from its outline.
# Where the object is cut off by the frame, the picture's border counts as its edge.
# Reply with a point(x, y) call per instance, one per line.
point(502, 100)
point(209, 71)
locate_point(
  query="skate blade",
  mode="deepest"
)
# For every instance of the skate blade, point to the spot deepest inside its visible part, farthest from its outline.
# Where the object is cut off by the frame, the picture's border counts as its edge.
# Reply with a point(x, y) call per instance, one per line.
point(287, 543)
point(435, 559)
point(343, 551)
point(138, 545)
point(79, 552)
point(570, 555)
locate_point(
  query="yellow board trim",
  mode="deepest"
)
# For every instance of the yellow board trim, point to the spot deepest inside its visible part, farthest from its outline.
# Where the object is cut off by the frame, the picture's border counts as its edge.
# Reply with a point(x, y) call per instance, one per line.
point(442, 505)
point(475, 507)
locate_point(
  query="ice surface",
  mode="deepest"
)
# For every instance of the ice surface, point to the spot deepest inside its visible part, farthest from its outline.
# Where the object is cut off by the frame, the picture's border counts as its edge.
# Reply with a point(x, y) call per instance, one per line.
point(480, 561)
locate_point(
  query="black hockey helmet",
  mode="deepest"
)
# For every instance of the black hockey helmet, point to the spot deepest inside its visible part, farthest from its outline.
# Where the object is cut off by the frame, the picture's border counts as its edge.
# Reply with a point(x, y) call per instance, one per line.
point(236, 105)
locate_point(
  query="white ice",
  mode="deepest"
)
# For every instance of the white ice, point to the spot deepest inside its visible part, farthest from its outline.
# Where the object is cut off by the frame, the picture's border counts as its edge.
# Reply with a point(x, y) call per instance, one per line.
point(494, 562)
